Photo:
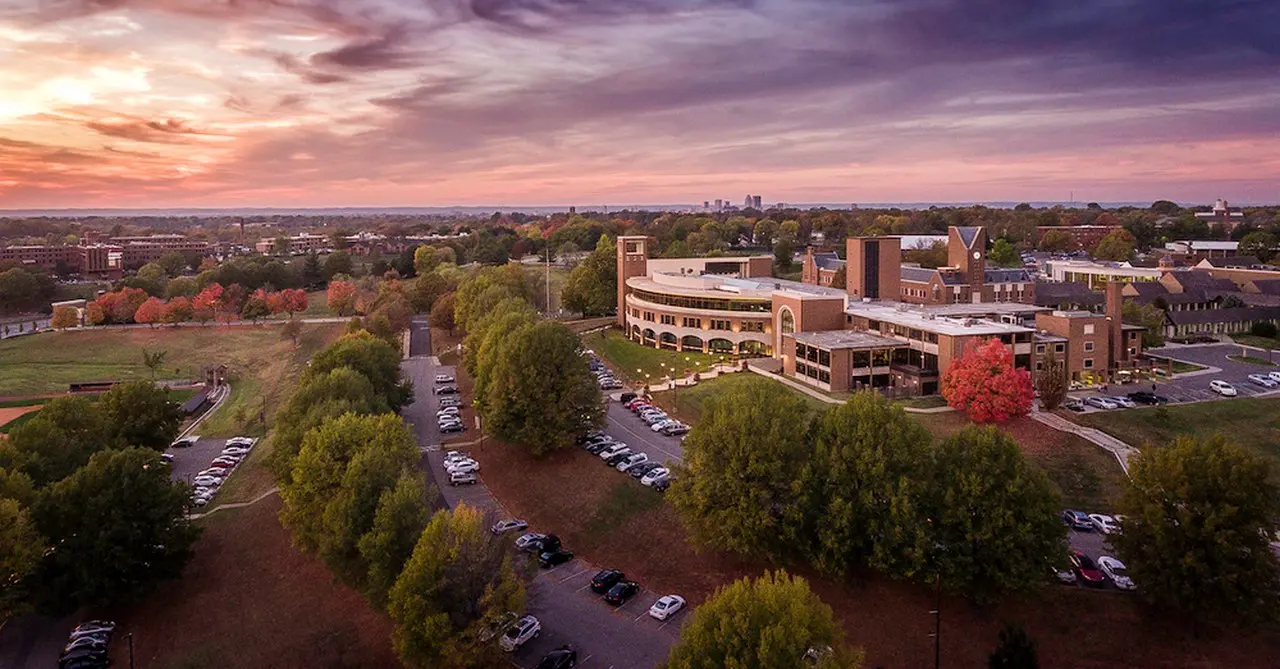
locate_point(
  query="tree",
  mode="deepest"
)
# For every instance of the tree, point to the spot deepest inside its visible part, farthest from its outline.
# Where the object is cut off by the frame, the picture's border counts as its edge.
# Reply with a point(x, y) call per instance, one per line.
point(94, 314)
point(442, 313)
point(233, 300)
point(172, 263)
point(293, 300)
point(65, 317)
point(1259, 244)
point(153, 360)
point(1264, 329)
point(291, 330)
point(1165, 207)
point(319, 397)
point(459, 579)
point(338, 262)
point(840, 279)
point(401, 516)
point(864, 486)
point(1016, 650)
point(1051, 382)
point(1003, 254)
point(992, 515)
point(931, 256)
point(1057, 241)
point(424, 259)
point(59, 439)
point(773, 621)
point(21, 550)
point(784, 251)
point(426, 290)
point(482, 347)
point(736, 489)
point(150, 312)
point(341, 298)
point(592, 287)
point(1150, 317)
point(254, 308)
point(1198, 516)
point(139, 413)
point(19, 291)
point(392, 316)
point(764, 231)
point(178, 310)
point(118, 527)
point(1117, 245)
point(374, 358)
point(181, 287)
point(985, 385)
point(542, 393)
point(207, 302)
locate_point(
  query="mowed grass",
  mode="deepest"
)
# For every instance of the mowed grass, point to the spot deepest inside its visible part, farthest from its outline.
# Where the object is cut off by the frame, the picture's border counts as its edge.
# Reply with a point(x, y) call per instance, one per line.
point(634, 361)
point(690, 401)
point(1254, 423)
point(1260, 342)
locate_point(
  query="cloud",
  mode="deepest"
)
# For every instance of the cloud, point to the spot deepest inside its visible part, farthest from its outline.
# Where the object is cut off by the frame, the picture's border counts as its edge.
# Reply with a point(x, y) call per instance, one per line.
point(168, 131)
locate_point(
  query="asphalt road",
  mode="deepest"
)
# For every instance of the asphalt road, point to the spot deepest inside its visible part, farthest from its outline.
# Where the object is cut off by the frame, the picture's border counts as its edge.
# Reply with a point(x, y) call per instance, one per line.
point(1194, 387)
point(628, 428)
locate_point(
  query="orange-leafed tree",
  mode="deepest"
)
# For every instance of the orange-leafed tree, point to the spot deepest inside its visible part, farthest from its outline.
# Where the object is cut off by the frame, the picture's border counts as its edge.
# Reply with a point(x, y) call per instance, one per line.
point(342, 297)
point(94, 314)
point(127, 305)
point(65, 317)
point(293, 300)
point(986, 386)
point(179, 310)
point(233, 300)
point(207, 302)
point(151, 311)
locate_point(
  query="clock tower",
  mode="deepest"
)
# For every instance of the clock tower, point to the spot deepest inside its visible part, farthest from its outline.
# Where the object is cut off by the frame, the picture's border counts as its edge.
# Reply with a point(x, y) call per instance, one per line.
point(966, 251)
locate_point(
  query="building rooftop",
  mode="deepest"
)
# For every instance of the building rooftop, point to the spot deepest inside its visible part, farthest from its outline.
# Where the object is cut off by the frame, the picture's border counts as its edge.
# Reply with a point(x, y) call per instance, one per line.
point(709, 285)
point(927, 318)
point(1050, 294)
point(833, 340)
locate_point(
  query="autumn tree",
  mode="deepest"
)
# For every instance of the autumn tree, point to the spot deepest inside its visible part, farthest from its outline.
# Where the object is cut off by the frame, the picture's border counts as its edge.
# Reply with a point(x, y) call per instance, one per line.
point(442, 313)
point(293, 300)
point(840, 278)
point(459, 579)
point(150, 312)
point(207, 302)
point(772, 621)
point(1118, 245)
point(1198, 517)
point(1259, 244)
point(1051, 381)
point(736, 488)
point(21, 550)
point(1057, 241)
point(592, 287)
point(255, 307)
point(424, 259)
point(341, 298)
point(94, 314)
point(65, 317)
point(178, 310)
point(986, 386)
point(291, 330)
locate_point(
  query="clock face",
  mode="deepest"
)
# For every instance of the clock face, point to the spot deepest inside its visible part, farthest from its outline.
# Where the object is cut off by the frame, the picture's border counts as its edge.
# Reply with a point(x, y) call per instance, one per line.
point(977, 254)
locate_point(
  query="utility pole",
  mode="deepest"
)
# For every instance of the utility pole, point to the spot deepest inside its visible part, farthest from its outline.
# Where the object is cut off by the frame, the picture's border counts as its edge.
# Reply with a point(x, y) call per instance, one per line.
point(548, 277)
point(130, 637)
point(937, 623)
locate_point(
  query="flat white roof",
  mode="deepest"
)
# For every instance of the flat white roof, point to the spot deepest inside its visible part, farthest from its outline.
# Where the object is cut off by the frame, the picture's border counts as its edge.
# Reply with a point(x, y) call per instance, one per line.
point(924, 318)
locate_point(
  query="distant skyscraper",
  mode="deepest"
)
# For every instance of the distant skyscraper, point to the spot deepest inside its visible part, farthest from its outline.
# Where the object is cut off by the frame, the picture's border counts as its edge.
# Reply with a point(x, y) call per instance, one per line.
point(719, 205)
point(706, 204)
point(755, 202)
point(746, 202)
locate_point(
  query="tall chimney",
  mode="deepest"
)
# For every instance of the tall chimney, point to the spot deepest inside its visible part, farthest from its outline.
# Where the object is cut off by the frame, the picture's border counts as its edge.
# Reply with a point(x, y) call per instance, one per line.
point(1115, 306)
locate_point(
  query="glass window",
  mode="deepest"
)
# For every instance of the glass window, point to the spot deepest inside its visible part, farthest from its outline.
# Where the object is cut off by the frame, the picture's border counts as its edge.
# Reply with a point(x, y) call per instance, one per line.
point(799, 350)
point(1059, 348)
point(1088, 329)
point(788, 321)
point(1088, 347)
point(1039, 348)
point(1088, 363)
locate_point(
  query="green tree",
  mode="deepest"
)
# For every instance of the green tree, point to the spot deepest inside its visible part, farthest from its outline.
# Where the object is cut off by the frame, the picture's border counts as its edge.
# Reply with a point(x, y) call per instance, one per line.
point(312, 273)
point(59, 440)
point(1016, 650)
point(1117, 245)
point(993, 516)
point(400, 517)
point(154, 360)
point(483, 290)
point(318, 397)
point(139, 413)
point(181, 286)
point(764, 232)
point(1057, 241)
point(17, 486)
point(1004, 254)
point(784, 251)
point(118, 528)
point(427, 288)
point(737, 487)
point(592, 287)
point(424, 259)
point(1259, 244)
point(505, 318)
point(541, 393)
point(1150, 317)
point(772, 621)
point(864, 486)
point(459, 578)
point(21, 549)
point(1051, 381)
point(1198, 516)
point(372, 357)
point(338, 262)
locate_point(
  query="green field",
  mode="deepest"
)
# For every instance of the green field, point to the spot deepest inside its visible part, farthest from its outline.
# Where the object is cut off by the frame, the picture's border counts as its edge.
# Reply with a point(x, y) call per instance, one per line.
point(1252, 360)
point(688, 403)
point(634, 361)
point(1260, 342)
point(1251, 422)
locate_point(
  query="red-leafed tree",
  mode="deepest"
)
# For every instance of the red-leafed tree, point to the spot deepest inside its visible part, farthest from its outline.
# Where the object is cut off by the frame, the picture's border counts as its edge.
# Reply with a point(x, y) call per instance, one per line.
point(179, 310)
point(121, 305)
point(342, 297)
point(233, 299)
point(985, 385)
point(207, 302)
point(293, 300)
point(151, 311)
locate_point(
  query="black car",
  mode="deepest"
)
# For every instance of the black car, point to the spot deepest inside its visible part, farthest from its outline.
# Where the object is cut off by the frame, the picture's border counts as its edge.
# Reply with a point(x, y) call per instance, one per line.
point(552, 558)
point(83, 655)
point(1077, 520)
point(626, 397)
point(1144, 397)
point(606, 579)
point(620, 593)
point(598, 446)
point(661, 486)
point(638, 471)
point(447, 390)
point(560, 658)
point(613, 462)
point(549, 544)
point(452, 427)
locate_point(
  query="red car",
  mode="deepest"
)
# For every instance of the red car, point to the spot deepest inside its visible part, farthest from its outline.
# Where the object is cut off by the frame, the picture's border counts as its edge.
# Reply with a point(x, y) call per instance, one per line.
point(1087, 569)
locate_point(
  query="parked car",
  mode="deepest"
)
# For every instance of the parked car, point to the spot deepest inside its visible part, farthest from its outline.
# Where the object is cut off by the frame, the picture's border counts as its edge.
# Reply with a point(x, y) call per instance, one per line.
point(519, 634)
point(626, 397)
point(450, 456)
point(631, 461)
point(610, 384)
point(235, 450)
point(563, 657)
point(1223, 388)
point(638, 472)
point(1064, 576)
point(83, 657)
point(1101, 403)
point(605, 579)
point(1115, 570)
point(166, 458)
point(508, 526)
point(621, 592)
point(85, 642)
point(185, 442)
point(612, 450)
point(448, 411)
point(498, 626)
point(213, 471)
point(1149, 398)
point(462, 478)
point(1263, 380)
point(1085, 569)
point(662, 484)
point(223, 464)
point(676, 430)
point(448, 428)
point(655, 475)
point(95, 627)
point(463, 466)
point(446, 390)
point(247, 442)
point(530, 542)
point(549, 543)
point(207, 481)
point(549, 559)
point(1073, 404)
point(1123, 402)
point(444, 378)
point(1275, 376)
point(666, 606)
point(619, 457)
point(597, 447)
point(1104, 523)
point(200, 501)
point(1077, 520)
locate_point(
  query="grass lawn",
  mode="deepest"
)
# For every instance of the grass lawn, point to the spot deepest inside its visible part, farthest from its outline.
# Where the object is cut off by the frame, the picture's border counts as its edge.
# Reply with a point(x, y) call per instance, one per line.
point(930, 402)
point(1251, 360)
point(559, 275)
point(633, 361)
point(1260, 342)
point(689, 402)
point(1252, 422)
point(1180, 367)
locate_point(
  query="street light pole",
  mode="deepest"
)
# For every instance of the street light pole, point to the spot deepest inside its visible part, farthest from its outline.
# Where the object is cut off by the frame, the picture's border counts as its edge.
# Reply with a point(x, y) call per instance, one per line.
point(130, 638)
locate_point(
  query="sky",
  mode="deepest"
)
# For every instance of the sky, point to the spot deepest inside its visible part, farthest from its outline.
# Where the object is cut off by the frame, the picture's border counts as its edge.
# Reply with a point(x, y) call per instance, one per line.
point(301, 103)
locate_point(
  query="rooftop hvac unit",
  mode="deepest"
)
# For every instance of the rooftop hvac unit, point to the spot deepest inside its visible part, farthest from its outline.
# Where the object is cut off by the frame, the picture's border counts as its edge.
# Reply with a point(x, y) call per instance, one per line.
point(928, 316)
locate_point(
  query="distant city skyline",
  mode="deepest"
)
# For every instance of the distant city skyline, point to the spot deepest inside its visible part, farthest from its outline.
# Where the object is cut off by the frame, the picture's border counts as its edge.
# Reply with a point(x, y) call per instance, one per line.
point(557, 103)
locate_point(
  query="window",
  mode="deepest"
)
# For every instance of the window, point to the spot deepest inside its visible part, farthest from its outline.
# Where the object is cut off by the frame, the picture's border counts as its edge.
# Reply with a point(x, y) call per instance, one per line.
point(1040, 350)
point(1059, 348)
point(720, 325)
point(1088, 363)
point(1088, 347)
point(668, 319)
point(801, 369)
point(693, 322)
point(748, 326)
point(799, 351)
point(788, 321)
point(1088, 329)
point(1039, 365)
point(824, 358)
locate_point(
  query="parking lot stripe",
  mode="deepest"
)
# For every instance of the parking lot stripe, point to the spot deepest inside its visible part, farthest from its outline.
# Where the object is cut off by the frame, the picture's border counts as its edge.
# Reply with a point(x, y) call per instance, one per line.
point(643, 614)
point(575, 575)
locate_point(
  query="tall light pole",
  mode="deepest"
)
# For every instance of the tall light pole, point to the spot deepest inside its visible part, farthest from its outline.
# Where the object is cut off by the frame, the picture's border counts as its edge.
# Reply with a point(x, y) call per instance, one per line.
point(548, 277)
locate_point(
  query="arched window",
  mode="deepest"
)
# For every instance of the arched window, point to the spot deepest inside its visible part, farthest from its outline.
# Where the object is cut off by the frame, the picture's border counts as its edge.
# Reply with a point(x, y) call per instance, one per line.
point(787, 321)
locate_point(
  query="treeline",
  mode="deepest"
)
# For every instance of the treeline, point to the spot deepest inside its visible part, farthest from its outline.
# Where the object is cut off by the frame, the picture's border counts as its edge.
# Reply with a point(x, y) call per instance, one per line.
point(345, 462)
point(88, 514)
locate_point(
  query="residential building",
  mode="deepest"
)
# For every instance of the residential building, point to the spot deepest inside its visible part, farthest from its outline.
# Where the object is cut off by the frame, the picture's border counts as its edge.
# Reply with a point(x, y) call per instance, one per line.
point(966, 277)
point(299, 244)
point(1195, 250)
point(819, 268)
point(1092, 346)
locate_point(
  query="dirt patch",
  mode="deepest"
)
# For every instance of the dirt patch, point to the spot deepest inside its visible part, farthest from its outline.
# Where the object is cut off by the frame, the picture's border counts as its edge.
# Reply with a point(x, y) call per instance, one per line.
point(250, 599)
point(8, 414)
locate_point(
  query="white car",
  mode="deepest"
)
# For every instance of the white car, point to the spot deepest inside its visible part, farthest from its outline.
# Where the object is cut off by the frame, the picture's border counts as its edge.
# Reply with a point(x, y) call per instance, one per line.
point(463, 466)
point(1104, 523)
point(659, 474)
point(637, 459)
point(207, 481)
point(1222, 388)
point(666, 606)
point(508, 526)
point(663, 424)
point(1275, 376)
point(448, 411)
point(1263, 380)
point(186, 442)
point(455, 456)
point(613, 450)
point(200, 501)
point(530, 541)
point(217, 472)
point(526, 629)
point(235, 450)
point(462, 478)
point(1115, 570)
point(245, 442)
point(444, 378)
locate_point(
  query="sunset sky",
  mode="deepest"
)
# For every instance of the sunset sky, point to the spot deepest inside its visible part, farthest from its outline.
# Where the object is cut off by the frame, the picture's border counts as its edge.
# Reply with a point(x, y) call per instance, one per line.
point(163, 103)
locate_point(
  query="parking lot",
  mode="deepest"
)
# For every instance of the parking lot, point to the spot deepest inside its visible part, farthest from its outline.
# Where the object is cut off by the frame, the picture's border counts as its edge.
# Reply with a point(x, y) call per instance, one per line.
point(189, 461)
point(1194, 386)
point(627, 427)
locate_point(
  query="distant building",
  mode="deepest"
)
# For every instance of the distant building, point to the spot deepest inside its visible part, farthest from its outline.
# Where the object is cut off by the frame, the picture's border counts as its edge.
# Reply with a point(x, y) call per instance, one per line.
point(1223, 215)
point(1196, 250)
point(1096, 274)
point(746, 202)
point(755, 202)
point(1085, 236)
